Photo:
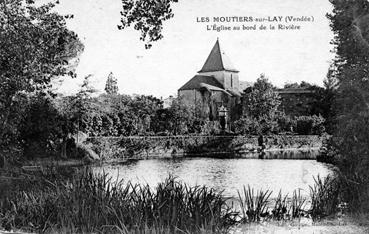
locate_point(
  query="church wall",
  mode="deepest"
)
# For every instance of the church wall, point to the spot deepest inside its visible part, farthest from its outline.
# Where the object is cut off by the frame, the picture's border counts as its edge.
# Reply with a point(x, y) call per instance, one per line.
point(202, 101)
point(232, 80)
point(189, 97)
point(229, 79)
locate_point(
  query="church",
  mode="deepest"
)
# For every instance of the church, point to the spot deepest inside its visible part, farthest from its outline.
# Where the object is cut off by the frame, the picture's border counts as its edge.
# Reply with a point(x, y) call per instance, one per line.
point(216, 86)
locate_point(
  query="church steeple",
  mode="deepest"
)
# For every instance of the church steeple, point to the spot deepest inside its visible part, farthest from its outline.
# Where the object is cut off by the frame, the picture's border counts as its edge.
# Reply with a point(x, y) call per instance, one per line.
point(217, 61)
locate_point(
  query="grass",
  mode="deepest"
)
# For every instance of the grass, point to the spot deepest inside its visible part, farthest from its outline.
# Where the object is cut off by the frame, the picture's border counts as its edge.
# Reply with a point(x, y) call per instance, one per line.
point(89, 203)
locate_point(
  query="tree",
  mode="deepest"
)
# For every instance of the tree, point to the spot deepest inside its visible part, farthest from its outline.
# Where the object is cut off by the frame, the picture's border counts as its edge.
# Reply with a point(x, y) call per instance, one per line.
point(81, 106)
point(350, 24)
point(147, 16)
point(261, 99)
point(35, 47)
point(302, 85)
point(327, 101)
point(144, 109)
point(111, 86)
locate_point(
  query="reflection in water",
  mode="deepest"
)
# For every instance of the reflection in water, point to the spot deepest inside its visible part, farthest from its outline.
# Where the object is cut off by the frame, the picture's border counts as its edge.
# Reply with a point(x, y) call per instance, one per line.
point(228, 175)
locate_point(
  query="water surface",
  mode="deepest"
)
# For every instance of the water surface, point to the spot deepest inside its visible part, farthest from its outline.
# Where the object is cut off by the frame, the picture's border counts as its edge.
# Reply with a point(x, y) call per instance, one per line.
point(228, 175)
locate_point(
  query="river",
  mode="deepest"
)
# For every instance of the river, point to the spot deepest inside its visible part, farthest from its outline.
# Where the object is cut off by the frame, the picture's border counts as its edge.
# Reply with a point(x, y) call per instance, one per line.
point(227, 175)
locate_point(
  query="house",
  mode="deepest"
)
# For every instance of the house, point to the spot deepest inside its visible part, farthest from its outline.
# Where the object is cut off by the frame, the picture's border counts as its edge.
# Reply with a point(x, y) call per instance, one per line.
point(215, 85)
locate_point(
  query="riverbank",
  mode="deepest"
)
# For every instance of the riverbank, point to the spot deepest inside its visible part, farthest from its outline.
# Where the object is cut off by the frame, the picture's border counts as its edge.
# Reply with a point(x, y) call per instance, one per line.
point(112, 150)
point(179, 146)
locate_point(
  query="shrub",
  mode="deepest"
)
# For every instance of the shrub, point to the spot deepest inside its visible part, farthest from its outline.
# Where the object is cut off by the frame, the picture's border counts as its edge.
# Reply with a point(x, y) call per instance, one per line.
point(268, 125)
point(210, 128)
point(308, 125)
point(42, 128)
point(285, 122)
point(247, 126)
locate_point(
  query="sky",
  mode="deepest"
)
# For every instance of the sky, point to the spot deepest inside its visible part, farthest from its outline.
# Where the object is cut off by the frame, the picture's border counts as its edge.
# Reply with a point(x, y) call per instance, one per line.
point(284, 56)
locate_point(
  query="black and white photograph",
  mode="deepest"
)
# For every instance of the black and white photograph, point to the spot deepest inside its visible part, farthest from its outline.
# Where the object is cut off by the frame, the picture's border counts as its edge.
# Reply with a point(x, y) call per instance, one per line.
point(184, 116)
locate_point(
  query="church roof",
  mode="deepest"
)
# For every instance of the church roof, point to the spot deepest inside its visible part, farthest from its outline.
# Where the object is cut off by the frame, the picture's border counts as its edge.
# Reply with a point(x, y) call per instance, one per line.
point(217, 61)
point(234, 92)
point(213, 88)
point(197, 82)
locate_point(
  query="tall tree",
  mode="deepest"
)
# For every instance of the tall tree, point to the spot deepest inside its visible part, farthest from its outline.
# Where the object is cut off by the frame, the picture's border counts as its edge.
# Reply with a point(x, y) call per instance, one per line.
point(350, 23)
point(111, 86)
point(81, 106)
point(35, 47)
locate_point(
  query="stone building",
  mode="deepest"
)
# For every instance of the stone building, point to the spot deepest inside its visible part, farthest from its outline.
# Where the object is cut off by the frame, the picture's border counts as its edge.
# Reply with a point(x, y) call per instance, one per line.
point(216, 84)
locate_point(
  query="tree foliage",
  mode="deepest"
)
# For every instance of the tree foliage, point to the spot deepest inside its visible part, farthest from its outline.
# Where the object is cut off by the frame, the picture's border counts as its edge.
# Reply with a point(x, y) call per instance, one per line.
point(350, 23)
point(111, 86)
point(146, 16)
point(35, 47)
point(261, 99)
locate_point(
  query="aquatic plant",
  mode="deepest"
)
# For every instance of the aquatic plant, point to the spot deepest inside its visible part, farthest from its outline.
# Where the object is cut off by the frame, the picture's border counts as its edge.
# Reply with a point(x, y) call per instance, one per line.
point(280, 210)
point(259, 206)
point(93, 203)
point(324, 196)
point(298, 204)
point(253, 205)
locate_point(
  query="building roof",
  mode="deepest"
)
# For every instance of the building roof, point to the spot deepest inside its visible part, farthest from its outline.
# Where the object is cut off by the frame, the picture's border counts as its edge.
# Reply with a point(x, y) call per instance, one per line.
point(197, 82)
point(234, 92)
point(213, 88)
point(217, 61)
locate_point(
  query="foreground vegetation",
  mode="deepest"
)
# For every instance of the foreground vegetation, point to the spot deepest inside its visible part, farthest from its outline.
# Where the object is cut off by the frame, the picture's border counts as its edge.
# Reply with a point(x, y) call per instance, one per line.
point(89, 203)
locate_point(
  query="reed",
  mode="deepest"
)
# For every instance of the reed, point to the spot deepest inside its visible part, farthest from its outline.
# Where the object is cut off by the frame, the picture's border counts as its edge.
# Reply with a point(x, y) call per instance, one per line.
point(281, 207)
point(298, 205)
point(89, 203)
point(324, 195)
point(93, 203)
point(253, 205)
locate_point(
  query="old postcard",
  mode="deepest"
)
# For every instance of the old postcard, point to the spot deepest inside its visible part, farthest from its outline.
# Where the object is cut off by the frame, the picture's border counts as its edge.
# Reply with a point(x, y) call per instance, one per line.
point(184, 116)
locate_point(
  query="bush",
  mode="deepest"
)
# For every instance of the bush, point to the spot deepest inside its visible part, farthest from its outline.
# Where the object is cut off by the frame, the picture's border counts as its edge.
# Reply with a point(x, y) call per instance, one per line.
point(310, 125)
point(285, 122)
point(280, 123)
point(210, 128)
point(268, 125)
point(42, 128)
point(247, 126)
